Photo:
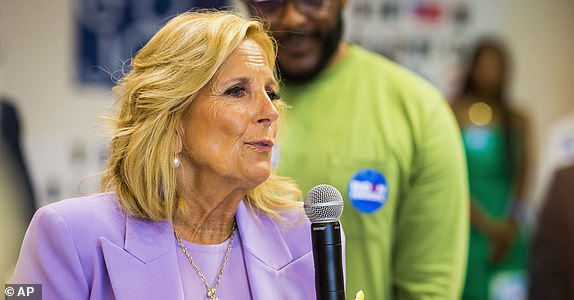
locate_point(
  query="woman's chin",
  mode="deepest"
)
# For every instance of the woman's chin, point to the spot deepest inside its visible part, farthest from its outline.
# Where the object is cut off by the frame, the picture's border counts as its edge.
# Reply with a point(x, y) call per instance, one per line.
point(259, 176)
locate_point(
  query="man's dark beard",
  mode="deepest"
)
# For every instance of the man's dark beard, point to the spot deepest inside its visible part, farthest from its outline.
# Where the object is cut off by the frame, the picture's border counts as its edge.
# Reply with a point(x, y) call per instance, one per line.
point(328, 49)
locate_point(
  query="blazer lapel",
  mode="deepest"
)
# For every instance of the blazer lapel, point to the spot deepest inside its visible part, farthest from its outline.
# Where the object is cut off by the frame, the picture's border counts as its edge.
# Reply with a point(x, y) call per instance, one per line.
point(145, 266)
point(272, 271)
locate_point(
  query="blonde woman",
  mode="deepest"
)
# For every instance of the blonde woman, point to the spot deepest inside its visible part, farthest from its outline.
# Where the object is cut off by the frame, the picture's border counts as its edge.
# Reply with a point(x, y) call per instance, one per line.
point(191, 209)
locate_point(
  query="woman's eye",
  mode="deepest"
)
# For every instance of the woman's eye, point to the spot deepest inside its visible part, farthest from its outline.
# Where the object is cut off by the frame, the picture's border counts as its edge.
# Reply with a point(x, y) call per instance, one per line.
point(273, 95)
point(236, 91)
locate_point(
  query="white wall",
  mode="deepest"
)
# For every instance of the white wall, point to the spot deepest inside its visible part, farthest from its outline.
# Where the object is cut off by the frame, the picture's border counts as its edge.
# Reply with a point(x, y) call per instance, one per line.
point(541, 36)
point(57, 115)
point(37, 61)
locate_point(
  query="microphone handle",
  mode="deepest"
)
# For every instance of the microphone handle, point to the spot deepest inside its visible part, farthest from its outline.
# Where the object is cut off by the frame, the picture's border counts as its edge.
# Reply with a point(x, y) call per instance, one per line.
point(328, 257)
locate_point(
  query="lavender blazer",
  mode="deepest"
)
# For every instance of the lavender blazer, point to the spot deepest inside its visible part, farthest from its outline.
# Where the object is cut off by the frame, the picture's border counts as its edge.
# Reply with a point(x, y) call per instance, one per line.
point(87, 248)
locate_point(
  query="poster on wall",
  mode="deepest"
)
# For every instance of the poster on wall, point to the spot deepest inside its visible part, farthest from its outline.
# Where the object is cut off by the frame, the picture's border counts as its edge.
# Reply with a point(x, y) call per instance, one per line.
point(430, 37)
point(110, 32)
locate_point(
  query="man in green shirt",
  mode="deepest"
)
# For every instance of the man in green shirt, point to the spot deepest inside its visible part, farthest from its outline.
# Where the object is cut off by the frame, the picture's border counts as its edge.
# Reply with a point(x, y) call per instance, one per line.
point(386, 139)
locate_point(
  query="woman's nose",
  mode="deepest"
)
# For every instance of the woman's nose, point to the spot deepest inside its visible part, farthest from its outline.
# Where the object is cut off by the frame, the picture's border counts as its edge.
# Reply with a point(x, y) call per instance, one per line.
point(268, 112)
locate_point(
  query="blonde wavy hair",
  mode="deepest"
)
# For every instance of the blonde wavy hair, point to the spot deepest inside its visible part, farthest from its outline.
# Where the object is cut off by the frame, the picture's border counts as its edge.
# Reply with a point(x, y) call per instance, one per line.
point(165, 76)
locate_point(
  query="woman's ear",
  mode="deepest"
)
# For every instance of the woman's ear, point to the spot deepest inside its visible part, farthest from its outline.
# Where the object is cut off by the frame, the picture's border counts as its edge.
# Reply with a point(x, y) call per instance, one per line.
point(178, 142)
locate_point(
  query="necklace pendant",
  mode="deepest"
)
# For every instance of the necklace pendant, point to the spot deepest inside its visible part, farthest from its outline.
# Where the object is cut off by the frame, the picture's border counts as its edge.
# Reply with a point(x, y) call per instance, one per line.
point(211, 293)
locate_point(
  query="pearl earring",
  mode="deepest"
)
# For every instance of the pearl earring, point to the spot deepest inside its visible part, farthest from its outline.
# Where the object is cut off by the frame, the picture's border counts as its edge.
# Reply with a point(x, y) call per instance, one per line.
point(176, 162)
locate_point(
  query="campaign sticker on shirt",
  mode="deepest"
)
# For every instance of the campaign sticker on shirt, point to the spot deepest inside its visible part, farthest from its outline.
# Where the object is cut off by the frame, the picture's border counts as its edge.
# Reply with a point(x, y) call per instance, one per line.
point(368, 190)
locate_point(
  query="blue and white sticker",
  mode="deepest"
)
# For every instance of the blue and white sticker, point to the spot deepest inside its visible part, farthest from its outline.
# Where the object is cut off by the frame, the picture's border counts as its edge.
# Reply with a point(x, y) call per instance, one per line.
point(368, 190)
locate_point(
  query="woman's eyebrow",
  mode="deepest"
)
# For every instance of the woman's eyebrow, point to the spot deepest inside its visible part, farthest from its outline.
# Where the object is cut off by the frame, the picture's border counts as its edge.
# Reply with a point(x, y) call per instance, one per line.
point(236, 79)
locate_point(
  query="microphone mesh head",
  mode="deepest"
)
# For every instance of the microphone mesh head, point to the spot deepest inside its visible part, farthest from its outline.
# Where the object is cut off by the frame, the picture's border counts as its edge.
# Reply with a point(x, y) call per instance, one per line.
point(323, 203)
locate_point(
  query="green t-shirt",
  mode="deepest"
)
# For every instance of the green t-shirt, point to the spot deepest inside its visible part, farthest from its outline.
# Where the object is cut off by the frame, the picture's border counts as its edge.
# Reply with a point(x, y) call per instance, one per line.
point(367, 112)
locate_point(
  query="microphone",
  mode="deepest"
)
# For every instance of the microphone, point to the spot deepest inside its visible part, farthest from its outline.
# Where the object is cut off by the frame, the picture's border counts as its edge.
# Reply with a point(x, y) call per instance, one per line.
point(324, 206)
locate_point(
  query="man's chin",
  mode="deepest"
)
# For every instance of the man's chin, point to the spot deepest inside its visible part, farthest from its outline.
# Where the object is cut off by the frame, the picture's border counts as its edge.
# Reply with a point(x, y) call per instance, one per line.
point(302, 62)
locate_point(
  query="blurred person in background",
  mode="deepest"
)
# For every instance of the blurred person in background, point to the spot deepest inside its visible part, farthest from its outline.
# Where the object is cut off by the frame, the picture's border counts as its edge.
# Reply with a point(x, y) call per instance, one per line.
point(495, 139)
point(558, 152)
point(11, 136)
point(14, 214)
point(17, 203)
point(551, 259)
point(191, 209)
point(370, 127)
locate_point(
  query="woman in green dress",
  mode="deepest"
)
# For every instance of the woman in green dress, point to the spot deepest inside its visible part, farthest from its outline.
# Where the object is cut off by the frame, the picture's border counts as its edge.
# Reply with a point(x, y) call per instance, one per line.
point(494, 136)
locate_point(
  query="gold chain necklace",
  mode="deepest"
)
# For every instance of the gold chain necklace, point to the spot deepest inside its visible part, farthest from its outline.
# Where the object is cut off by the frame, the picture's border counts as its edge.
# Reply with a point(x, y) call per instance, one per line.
point(210, 289)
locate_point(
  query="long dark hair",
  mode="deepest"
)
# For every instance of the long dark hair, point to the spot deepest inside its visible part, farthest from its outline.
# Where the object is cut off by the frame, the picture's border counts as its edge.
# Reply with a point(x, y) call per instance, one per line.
point(500, 95)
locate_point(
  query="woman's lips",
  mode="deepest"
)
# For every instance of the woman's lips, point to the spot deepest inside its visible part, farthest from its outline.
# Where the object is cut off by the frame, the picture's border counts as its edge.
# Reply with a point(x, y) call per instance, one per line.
point(262, 145)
